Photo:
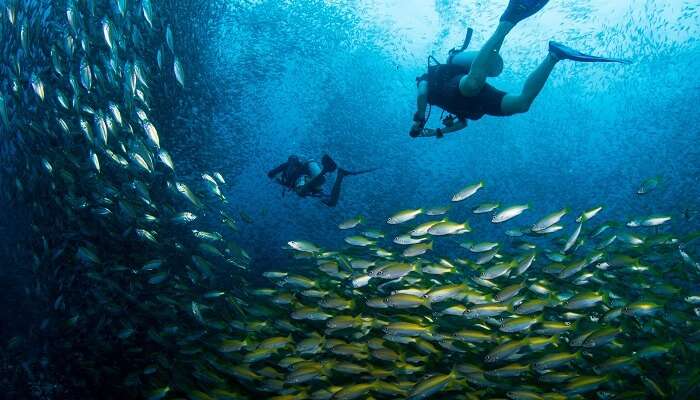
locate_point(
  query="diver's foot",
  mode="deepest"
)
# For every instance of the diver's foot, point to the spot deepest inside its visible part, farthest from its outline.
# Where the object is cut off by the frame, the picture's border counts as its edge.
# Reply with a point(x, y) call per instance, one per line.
point(518, 10)
point(328, 164)
point(561, 52)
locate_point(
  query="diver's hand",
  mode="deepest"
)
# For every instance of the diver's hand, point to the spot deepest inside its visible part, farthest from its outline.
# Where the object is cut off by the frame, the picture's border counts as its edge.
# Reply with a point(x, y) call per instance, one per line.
point(416, 130)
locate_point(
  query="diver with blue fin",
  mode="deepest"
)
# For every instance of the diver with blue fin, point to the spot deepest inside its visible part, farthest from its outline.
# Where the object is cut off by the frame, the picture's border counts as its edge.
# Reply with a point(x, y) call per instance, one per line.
point(306, 178)
point(459, 87)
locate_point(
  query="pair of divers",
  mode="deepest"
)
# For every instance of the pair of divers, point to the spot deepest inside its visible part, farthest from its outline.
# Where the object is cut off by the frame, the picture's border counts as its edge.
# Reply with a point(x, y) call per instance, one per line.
point(459, 88)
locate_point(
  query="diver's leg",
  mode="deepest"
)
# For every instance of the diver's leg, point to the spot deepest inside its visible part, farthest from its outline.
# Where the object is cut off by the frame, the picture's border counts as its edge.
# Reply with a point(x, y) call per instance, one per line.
point(332, 201)
point(518, 104)
point(471, 84)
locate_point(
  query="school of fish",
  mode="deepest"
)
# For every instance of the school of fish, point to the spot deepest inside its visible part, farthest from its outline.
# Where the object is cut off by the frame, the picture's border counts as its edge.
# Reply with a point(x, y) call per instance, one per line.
point(147, 293)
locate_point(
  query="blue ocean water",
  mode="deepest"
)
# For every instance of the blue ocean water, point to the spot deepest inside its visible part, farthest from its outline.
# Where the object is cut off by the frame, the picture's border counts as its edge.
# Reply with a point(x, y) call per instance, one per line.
point(338, 78)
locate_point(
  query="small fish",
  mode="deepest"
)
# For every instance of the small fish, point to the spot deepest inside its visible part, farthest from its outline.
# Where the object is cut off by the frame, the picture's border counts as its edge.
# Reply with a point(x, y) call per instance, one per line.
point(360, 281)
point(303, 246)
point(158, 394)
point(151, 134)
point(509, 292)
point(404, 216)
point(504, 350)
point(101, 128)
point(95, 161)
point(357, 263)
point(642, 308)
point(169, 39)
point(351, 223)
point(418, 249)
point(355, 391)
point(498, 270)
point(485, 310)
point(393, 271)
point(630, 239)
point(107, 32)
point(147, 10)
point(408, 240)
point(601, 337)
point(531, 306)
point(518, 324)
point(551, 229)
point(555, 360)
point(422, 229)
point(649, 185)
point(587, 215)
point(188, 194)
point(310, 314)
point(435, 211)
point(584, 384)
point(403, 301)
point(467, 192)
point(485, 208)
point(480, 247)
point(449, 228)
point(121, 7)
point(437, 269)
point(446, 292)
point(373, 234)
point(179, 72)
point(360, 241)
point(405, 329)
point(85, 74)
point(549, 220)
point(573, 238)
point(431, 386)
point(38, 86)
point(583, 300)
point(525, 263)
point(509, 213)
point(165, 158)
point(655, 220)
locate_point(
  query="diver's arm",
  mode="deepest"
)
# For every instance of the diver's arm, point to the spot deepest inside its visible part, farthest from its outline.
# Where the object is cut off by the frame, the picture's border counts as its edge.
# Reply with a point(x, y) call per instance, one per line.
point(440, 132)
point(276, 170)
point(421, 105)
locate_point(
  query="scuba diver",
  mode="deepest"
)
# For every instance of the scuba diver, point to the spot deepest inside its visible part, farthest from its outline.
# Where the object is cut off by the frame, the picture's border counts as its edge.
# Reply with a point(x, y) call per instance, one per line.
point(307, 178)
point(459, 87)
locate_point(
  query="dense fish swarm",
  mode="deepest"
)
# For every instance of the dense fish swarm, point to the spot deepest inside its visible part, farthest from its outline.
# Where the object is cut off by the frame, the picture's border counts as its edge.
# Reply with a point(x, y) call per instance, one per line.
point(145, 293)
point(127, 255)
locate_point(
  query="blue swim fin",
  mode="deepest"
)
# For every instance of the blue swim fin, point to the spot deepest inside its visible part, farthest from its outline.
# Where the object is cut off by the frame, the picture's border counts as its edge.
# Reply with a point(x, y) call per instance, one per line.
point(518, 10)
point(567, 53)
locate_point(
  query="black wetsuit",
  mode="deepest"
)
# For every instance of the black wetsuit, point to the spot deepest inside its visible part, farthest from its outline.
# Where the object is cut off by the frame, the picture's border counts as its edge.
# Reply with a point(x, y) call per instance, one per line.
point(294, 169)
point(443, 91)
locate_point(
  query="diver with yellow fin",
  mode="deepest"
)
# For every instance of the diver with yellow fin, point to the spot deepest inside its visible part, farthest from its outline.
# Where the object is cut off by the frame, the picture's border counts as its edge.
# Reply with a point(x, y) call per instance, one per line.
point(306, 178)
point(459, 87)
